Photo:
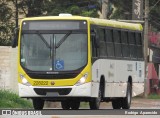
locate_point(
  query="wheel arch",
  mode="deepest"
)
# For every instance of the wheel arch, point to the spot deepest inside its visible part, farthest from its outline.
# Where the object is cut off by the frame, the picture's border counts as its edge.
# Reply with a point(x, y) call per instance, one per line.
point(102, 85)
point(130, 80)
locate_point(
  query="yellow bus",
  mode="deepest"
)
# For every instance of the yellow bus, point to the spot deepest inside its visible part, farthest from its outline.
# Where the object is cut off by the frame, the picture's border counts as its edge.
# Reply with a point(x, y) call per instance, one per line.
point(70, 59)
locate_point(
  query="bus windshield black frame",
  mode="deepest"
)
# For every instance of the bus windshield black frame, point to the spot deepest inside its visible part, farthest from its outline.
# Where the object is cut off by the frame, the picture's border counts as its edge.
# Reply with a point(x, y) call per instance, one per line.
point(78, 32)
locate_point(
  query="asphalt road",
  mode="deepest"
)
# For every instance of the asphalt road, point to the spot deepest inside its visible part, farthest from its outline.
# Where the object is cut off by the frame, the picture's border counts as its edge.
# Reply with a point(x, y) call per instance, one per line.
point(105, 109)
point(137, 103)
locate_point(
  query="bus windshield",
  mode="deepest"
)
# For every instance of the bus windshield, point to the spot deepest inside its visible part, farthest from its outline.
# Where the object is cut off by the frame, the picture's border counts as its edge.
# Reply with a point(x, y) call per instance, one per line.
point(53, 51)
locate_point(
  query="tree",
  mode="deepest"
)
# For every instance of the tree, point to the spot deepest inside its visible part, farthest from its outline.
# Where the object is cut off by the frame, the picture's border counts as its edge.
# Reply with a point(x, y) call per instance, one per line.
point(55, 7)
point(124, 11)
point(154, 14)
point(6, 24)
point(40, 8)
point(78, 7)
point(32, 7)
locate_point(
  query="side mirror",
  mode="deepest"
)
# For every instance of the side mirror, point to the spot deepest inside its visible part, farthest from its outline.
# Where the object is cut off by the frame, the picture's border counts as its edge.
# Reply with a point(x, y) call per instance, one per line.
point(15, 38)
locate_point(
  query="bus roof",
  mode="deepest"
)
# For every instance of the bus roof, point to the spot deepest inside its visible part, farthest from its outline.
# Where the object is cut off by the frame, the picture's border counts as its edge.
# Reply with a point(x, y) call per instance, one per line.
point(117, 24)
point(95, 21)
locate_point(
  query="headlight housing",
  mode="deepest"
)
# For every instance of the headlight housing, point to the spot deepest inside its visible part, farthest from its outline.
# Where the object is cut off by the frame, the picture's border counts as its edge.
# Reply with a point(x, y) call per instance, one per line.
point(24, 80)
point(82, 80)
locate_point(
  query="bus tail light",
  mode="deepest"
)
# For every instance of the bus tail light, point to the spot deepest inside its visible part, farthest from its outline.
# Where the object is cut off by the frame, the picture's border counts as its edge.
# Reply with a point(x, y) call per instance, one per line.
point(82, 80)
point(24, 80)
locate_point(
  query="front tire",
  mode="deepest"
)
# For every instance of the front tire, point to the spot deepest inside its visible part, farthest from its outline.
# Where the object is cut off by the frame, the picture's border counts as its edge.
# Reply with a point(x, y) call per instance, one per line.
point(75, 104)
point(38, 103)
point(95, 102)
point(65, 104)
point(126, 102)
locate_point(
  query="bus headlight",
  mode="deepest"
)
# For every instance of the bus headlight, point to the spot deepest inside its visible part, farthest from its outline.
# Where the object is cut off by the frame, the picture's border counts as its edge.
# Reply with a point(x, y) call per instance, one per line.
point(82, 80)
point(24, 80)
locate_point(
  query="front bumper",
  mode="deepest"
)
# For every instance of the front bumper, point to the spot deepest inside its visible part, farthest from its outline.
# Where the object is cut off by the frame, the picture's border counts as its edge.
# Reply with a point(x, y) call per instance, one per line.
point(83, 90)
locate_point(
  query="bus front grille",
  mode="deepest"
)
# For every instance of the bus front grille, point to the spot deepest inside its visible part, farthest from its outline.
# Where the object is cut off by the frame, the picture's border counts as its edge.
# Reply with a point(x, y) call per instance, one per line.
point(44, 91)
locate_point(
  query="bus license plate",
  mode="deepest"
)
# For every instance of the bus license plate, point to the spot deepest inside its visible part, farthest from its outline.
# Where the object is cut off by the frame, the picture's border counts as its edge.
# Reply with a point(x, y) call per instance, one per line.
point(38, 83)
point(52, 94)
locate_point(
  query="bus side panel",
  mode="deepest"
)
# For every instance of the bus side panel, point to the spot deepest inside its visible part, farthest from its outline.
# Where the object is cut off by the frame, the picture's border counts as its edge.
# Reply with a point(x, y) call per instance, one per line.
point(116, 73)
point(106, 68)
point(115, 89)
point(95, 79)
point(134, 70)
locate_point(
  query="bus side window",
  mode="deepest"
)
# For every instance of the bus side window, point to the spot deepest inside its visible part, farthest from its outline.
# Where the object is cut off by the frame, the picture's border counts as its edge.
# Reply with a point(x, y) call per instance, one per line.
point(132, 45)
point(94, 48)
point(139, 45)
point(109, 42)
point(102, 46)
point(117, 43)
point(125, 46)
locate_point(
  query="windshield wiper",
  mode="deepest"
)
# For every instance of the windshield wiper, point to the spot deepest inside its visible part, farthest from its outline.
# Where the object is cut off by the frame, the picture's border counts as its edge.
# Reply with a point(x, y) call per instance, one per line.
point(63, 39)
point(43, 39)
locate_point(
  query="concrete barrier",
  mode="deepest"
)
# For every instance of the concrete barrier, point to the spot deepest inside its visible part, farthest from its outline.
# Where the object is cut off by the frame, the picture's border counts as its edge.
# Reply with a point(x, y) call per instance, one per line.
point(8, 68)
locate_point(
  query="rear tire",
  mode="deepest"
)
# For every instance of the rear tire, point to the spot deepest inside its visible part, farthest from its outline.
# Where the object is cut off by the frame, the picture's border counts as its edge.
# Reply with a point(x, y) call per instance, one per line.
point(117, 104)
point(126, 102)
point(38, 103)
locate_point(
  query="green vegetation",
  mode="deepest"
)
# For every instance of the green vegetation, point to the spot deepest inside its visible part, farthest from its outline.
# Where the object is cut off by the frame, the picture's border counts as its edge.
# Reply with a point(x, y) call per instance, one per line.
point(124, 11)
point(154, 96)
point(84, 104)
point(30, 8)
point(9, 99)
point(6, 24)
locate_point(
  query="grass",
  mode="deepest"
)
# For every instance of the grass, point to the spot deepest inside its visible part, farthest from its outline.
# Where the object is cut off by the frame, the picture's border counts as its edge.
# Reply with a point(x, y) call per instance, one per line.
point(9, 99)
point(150, 96)
point(154, 96)
point(84, 104)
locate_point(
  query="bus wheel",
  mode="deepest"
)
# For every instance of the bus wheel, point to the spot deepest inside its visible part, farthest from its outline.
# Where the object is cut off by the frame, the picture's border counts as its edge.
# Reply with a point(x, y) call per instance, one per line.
point(126, 102)
point(75, 104)
point(65, 104)
point(116, 104)
point(38, 103)
point(95, 102)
